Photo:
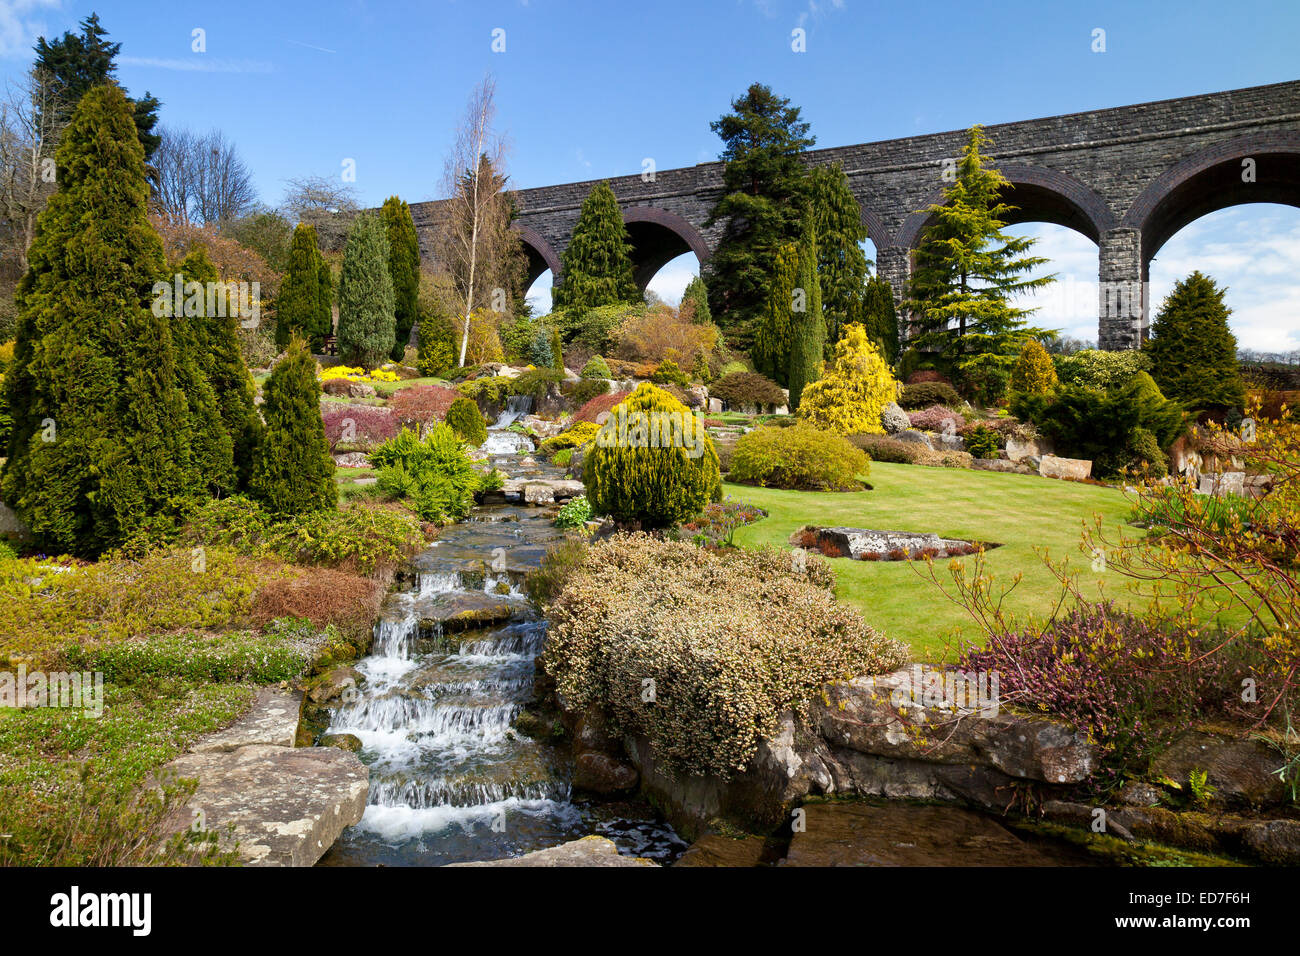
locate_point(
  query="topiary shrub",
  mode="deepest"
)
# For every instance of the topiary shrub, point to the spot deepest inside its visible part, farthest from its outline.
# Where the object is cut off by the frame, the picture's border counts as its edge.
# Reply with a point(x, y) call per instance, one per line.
point(849, 398)
point(925, 394)
point(1033, 371)
point(802, 458)
point(743, 388)
point(893, 419)
point(730, 640)
point(884, 448)
point(596, 367)
point(652, 462)
point(467, 421)
point(434, 473)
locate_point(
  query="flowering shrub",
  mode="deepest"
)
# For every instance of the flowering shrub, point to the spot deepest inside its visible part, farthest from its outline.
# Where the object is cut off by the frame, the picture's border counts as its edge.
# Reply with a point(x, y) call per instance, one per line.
point(716, 525)
point(357, 374)
point(357, 427)
point(932, 419)
point(800, 457)
point(723, 641)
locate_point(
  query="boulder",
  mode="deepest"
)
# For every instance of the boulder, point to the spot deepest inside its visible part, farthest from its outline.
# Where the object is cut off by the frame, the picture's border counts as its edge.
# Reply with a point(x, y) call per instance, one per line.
point(1243, 771)
point(287, 806)
point(603, 774)
point(334, 684)
point(698, 395)
point(360, 390)
point(11, 526)
point(1075, 468)
point(272, 721)
point(715, 406)
point(1274, 841)
point(1223, 484)
point(944, 442)
point(349, 742)
point(336, 386)
point(1018, 450)
point(352, 459)
point(589, 851)
point(462, 610)
point(714, 849)
point(997, 464)
point(912, 435)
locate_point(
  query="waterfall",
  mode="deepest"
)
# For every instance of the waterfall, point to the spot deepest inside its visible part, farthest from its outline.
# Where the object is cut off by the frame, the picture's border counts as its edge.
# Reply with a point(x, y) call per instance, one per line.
point(517, 406)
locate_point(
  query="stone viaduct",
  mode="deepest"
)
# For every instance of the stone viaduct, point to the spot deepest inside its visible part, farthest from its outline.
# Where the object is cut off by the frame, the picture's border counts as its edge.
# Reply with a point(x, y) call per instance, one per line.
point(1128, 178)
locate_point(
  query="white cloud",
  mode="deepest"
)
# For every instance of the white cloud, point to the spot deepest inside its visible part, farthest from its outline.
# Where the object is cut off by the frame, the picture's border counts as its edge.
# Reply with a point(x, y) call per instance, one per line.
point(18, 28)
point(200, 63)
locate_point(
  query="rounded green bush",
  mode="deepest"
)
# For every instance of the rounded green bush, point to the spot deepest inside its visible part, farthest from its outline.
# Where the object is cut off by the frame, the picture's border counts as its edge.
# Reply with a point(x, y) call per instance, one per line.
point(652, 462)
point(596, 367)
point(467, 421)
point(925, 394)
point(800, 457)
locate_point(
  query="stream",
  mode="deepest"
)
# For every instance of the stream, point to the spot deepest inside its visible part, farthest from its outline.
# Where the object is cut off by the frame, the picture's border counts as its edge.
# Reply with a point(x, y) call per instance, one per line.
point(450, 780)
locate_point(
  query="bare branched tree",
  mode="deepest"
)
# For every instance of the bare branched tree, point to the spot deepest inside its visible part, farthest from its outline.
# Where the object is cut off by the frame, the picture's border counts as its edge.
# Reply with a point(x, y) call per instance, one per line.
point(201, 179)
point(30, 127)
point(476, 244)
point(328, 204)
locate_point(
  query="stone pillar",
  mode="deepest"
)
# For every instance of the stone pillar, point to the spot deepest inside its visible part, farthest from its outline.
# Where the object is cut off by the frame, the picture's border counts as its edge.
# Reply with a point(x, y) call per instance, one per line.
point(1121, 290)
point(894, 264)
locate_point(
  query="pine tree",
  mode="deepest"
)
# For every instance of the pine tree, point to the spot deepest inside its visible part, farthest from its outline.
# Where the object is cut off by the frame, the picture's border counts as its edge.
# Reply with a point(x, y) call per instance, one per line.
point(597, 265)
point(404, 267)
point(771, 348)
point(366, 319)
point(101, 438)
point(1193, 352)
point(807, 325)
point(841, 263)
point(192, 321)
point(968, 270)
point(80, 62)
point(697, 296)
point(298, 306)
point(223, 363)
point(875, 312)
point(293, 473)
point(762, 208)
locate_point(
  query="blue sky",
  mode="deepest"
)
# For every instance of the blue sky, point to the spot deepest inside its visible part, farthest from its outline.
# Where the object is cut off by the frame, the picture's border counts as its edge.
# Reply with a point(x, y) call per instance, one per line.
point(587, 89)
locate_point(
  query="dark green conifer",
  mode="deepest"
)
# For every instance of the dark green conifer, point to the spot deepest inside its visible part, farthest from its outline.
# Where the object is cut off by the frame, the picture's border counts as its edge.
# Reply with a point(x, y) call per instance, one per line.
point(293, 473)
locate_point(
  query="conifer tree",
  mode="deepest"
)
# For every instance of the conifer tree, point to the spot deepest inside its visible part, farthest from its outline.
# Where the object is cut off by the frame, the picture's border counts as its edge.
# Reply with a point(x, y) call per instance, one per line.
point(875, 312)
point(968, 270)
point(1193, 352)
point(404, 267)
point(771, 349)
point(366, 319)
point(299, 307)
point(293, 473)
point(597, 265)
point(807, 324)
point(841, 263)
point(697, 295)
point(101, 438)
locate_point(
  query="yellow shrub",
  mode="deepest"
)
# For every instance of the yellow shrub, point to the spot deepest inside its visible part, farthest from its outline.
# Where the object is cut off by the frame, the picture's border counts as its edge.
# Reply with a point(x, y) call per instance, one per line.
point(1033, 372)
point(858, 384)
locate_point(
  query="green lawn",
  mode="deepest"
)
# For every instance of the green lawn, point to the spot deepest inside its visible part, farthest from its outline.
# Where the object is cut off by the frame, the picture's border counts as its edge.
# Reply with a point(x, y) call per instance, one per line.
point(1020, 512)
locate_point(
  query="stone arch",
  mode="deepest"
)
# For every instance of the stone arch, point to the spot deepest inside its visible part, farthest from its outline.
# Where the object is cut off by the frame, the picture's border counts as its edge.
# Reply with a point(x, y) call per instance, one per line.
point(1211, 179)
point(540, 254)
point(1041, 194)
point(659, 236)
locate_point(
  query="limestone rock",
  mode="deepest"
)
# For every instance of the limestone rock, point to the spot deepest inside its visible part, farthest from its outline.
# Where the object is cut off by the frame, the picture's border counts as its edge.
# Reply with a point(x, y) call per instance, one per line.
point(287, 806)
point(349, 742)
point(352, 459)
point(589, 851)
point(1241, 770)
point(1053, 467)
point(333, 684)
point(272, 721)
point(912, 435)
point(603, 774)
point(360, 390)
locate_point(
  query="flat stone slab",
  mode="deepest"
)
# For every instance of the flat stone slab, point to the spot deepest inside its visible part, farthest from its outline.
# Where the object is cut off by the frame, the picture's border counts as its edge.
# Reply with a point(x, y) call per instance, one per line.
point(860, 834)
point(272, 721)
point(287, 805)
point(1050, 466)
point(542, 490)
point(461, 610)
point(589, 851)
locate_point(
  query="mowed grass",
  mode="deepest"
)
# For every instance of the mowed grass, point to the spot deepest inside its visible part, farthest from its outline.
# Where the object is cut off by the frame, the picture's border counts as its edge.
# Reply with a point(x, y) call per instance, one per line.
point(1019, 512)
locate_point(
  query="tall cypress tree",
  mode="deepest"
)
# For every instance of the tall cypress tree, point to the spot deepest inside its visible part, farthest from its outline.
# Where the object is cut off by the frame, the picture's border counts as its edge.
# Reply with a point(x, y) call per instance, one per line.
point(366, 295)
point(1193, 352)
point(876, 313)
point(771, 349)
point(807, 325)
point(841, 263)
point(968, 270)
point(597, 265)
point(223, 363)
point(299, 306)
point(404, 267)
point(101, 440)
point(697, 295)
point(293, 473)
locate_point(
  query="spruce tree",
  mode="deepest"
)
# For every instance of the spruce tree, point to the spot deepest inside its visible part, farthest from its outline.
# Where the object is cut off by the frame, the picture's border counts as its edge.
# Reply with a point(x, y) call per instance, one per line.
point(404, 267)
point(597, 264)
point(807, 325)
point(298, 306)
point(875, 312)
point(1193, 352)
point(366, 318)
point(324, 301)
point(967, 270)
point(697, 296)
point(101, 439)
point(293, 473)
point(841, 263)
point(771, 349)
point(223, 363)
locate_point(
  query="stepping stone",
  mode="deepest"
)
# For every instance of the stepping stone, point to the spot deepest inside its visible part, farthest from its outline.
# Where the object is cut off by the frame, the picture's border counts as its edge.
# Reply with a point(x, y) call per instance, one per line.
point(272, 721)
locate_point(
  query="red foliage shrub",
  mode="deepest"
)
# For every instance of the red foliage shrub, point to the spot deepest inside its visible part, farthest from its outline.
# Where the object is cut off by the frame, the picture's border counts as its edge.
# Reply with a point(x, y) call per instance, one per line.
point(897, 554)
point(323, 596)
point(358, 427)
point(598, 405)
point(932, 418)
point(422, 404)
